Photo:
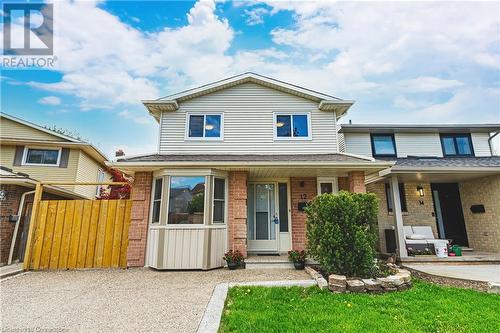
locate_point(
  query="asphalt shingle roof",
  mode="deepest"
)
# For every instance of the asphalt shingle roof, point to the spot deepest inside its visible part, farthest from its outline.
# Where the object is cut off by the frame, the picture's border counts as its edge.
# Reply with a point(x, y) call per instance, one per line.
point(457, 162)
point(247, 158)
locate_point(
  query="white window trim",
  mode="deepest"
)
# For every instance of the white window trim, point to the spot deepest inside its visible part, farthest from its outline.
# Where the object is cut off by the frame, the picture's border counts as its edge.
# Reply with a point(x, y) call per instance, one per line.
point(332, 180)
point(100, 172)
point(205, 222)
point(226, 187)
point(25, 156)
point(153, 189)
point(292, 138)
point(204, 114)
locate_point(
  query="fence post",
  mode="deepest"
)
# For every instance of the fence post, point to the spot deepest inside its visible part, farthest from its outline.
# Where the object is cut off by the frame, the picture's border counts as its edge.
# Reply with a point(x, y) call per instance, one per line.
point(31, 231)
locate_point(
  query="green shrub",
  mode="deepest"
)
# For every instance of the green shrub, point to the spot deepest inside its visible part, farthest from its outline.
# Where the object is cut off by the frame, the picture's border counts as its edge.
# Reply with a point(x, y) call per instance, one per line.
point(342, 232)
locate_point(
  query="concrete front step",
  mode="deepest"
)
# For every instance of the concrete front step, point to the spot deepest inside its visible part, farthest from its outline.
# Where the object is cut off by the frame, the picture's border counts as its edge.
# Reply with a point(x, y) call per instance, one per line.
point(268, 262)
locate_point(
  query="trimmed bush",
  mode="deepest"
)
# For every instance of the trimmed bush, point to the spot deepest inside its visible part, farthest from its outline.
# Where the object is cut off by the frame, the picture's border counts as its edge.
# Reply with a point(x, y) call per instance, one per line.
point(342, 233)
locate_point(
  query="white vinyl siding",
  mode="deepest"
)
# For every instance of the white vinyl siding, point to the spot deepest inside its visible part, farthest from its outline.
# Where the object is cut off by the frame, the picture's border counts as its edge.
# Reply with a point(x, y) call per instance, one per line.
point(418, 144)
point(248, 123)
point(480, 144)
point(358, 144)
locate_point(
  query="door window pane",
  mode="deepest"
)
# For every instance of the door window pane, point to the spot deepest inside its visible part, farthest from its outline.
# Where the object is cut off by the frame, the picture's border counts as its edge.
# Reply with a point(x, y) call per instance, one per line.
point(449, 146)
point(326, 188)
point(283, 126)
point(219, 200)
point(300, 128)
point(187, 200)
point(283, 207)
point(383, 145)
point(196, 126)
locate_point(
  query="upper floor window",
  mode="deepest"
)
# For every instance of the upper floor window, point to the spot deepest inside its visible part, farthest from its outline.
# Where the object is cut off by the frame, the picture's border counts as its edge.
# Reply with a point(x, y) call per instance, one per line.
point(204, 126)
point(41, 156)
point(292, 126)
point(383, 145)
point(456, 145)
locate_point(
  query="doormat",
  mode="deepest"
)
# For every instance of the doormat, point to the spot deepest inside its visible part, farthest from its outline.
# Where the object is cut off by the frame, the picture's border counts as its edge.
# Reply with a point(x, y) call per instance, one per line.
point(268, 254)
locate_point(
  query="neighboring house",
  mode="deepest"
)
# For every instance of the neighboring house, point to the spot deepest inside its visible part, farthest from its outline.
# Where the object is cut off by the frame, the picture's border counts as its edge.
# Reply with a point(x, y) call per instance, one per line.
point(259, 148)
point(31, 153)
point(447, 176)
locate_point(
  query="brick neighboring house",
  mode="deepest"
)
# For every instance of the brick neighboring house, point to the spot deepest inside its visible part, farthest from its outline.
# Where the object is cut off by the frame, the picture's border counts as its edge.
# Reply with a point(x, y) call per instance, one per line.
point(30, 153)
point(238, 159)
point(447, 176)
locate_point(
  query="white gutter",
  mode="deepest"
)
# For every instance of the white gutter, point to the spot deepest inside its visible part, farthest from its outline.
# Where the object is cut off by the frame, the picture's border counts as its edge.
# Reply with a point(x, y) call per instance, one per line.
point(143, 164)
point(440, 169)
point(16, 228)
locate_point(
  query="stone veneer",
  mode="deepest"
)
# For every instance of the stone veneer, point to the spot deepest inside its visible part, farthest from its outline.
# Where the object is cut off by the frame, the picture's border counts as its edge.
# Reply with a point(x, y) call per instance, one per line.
point(483, 229)
point(138, 231)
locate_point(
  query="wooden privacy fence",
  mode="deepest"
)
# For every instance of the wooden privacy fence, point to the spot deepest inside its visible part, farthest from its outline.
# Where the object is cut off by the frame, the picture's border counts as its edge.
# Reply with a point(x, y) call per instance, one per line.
point(80, 234)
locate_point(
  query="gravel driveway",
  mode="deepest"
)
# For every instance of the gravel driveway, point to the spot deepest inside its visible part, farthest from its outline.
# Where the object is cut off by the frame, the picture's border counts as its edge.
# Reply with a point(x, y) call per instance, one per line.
point(116, 300)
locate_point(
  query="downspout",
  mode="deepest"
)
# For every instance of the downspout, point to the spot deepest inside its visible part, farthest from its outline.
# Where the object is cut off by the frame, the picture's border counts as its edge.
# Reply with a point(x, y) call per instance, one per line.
point(491, 145)
point(16, 228)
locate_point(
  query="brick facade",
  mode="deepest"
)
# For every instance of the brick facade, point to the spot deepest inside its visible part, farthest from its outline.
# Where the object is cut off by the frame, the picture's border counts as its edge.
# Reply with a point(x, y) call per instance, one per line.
point(237, 211)
point(356, 181)
point(343, 183)
point(8, 207)
point(302, 190)
point(137, 235)
point(416, 215)
point(483, 229)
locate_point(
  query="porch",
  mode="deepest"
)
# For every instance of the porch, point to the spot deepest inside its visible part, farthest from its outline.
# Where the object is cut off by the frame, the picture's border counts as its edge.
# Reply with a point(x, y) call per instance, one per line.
point(467, 257)
point(458, 206)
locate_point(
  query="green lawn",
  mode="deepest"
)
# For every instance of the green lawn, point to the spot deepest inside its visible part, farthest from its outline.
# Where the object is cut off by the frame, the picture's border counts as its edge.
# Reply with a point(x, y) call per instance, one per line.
point(424, 308)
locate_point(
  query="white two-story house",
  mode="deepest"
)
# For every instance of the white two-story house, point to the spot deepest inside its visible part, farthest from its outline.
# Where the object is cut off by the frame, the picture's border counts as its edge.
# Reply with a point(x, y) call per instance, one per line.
point(447, 176)
point(237, 162)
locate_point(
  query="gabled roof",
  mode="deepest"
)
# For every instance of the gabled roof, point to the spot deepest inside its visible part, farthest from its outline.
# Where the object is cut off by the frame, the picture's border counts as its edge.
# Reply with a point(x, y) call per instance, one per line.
point(65, 142)
point(429, 128)
point(39, 128)
point(170, 103)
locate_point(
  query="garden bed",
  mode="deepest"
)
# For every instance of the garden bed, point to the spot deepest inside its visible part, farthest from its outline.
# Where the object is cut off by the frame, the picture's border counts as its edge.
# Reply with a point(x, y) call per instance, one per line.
point(398, 281)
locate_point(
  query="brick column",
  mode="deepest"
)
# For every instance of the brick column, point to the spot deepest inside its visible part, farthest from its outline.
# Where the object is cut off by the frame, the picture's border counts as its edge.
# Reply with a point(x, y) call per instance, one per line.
point(237, 211)
point(301, 190)
point(356, 181)
point(343, 183)
point(137, 235)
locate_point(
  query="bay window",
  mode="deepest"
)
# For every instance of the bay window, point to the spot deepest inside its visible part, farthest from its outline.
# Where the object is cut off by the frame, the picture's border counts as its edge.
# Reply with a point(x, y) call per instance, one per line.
point(219, 200)
point(186, 204)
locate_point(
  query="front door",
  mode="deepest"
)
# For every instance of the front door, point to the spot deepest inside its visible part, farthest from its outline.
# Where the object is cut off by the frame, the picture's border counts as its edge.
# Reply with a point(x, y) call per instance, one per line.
point(449, 214)
point(263, 222)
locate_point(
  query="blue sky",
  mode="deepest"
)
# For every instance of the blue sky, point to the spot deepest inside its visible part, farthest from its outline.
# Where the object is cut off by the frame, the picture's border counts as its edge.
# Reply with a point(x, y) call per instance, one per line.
point(402, 62)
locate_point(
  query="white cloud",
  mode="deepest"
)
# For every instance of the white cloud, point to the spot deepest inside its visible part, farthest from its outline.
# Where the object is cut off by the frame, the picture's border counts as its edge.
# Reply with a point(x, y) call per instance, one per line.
point(375, 53)
point(256, 15)
point(50, 100)
point(428, 84)
point(143, 119)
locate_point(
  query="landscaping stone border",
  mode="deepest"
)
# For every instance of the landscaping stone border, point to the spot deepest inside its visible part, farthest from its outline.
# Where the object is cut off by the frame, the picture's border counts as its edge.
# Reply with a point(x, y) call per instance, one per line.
point(342, 284)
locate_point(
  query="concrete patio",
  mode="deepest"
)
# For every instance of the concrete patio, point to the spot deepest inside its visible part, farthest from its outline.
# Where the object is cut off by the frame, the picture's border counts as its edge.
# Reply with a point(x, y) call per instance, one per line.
point(485, 273)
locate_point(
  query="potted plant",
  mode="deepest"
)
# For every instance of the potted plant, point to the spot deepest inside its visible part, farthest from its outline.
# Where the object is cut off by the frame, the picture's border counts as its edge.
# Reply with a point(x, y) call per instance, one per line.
point(233, 259)
point(298, 258)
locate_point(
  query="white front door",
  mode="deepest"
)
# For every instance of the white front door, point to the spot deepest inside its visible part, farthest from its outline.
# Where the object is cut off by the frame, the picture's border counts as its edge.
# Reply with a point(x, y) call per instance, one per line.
point(263, 222)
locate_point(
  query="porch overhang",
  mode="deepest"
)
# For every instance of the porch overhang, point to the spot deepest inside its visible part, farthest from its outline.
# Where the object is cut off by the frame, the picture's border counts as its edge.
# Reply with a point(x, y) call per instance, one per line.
point(437, 174)
point(259, 165)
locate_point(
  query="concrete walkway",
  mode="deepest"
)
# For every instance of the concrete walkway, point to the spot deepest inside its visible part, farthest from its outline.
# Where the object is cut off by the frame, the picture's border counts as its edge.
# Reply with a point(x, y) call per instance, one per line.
point(139, 300)
point(485, 273)
point(10, 270)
